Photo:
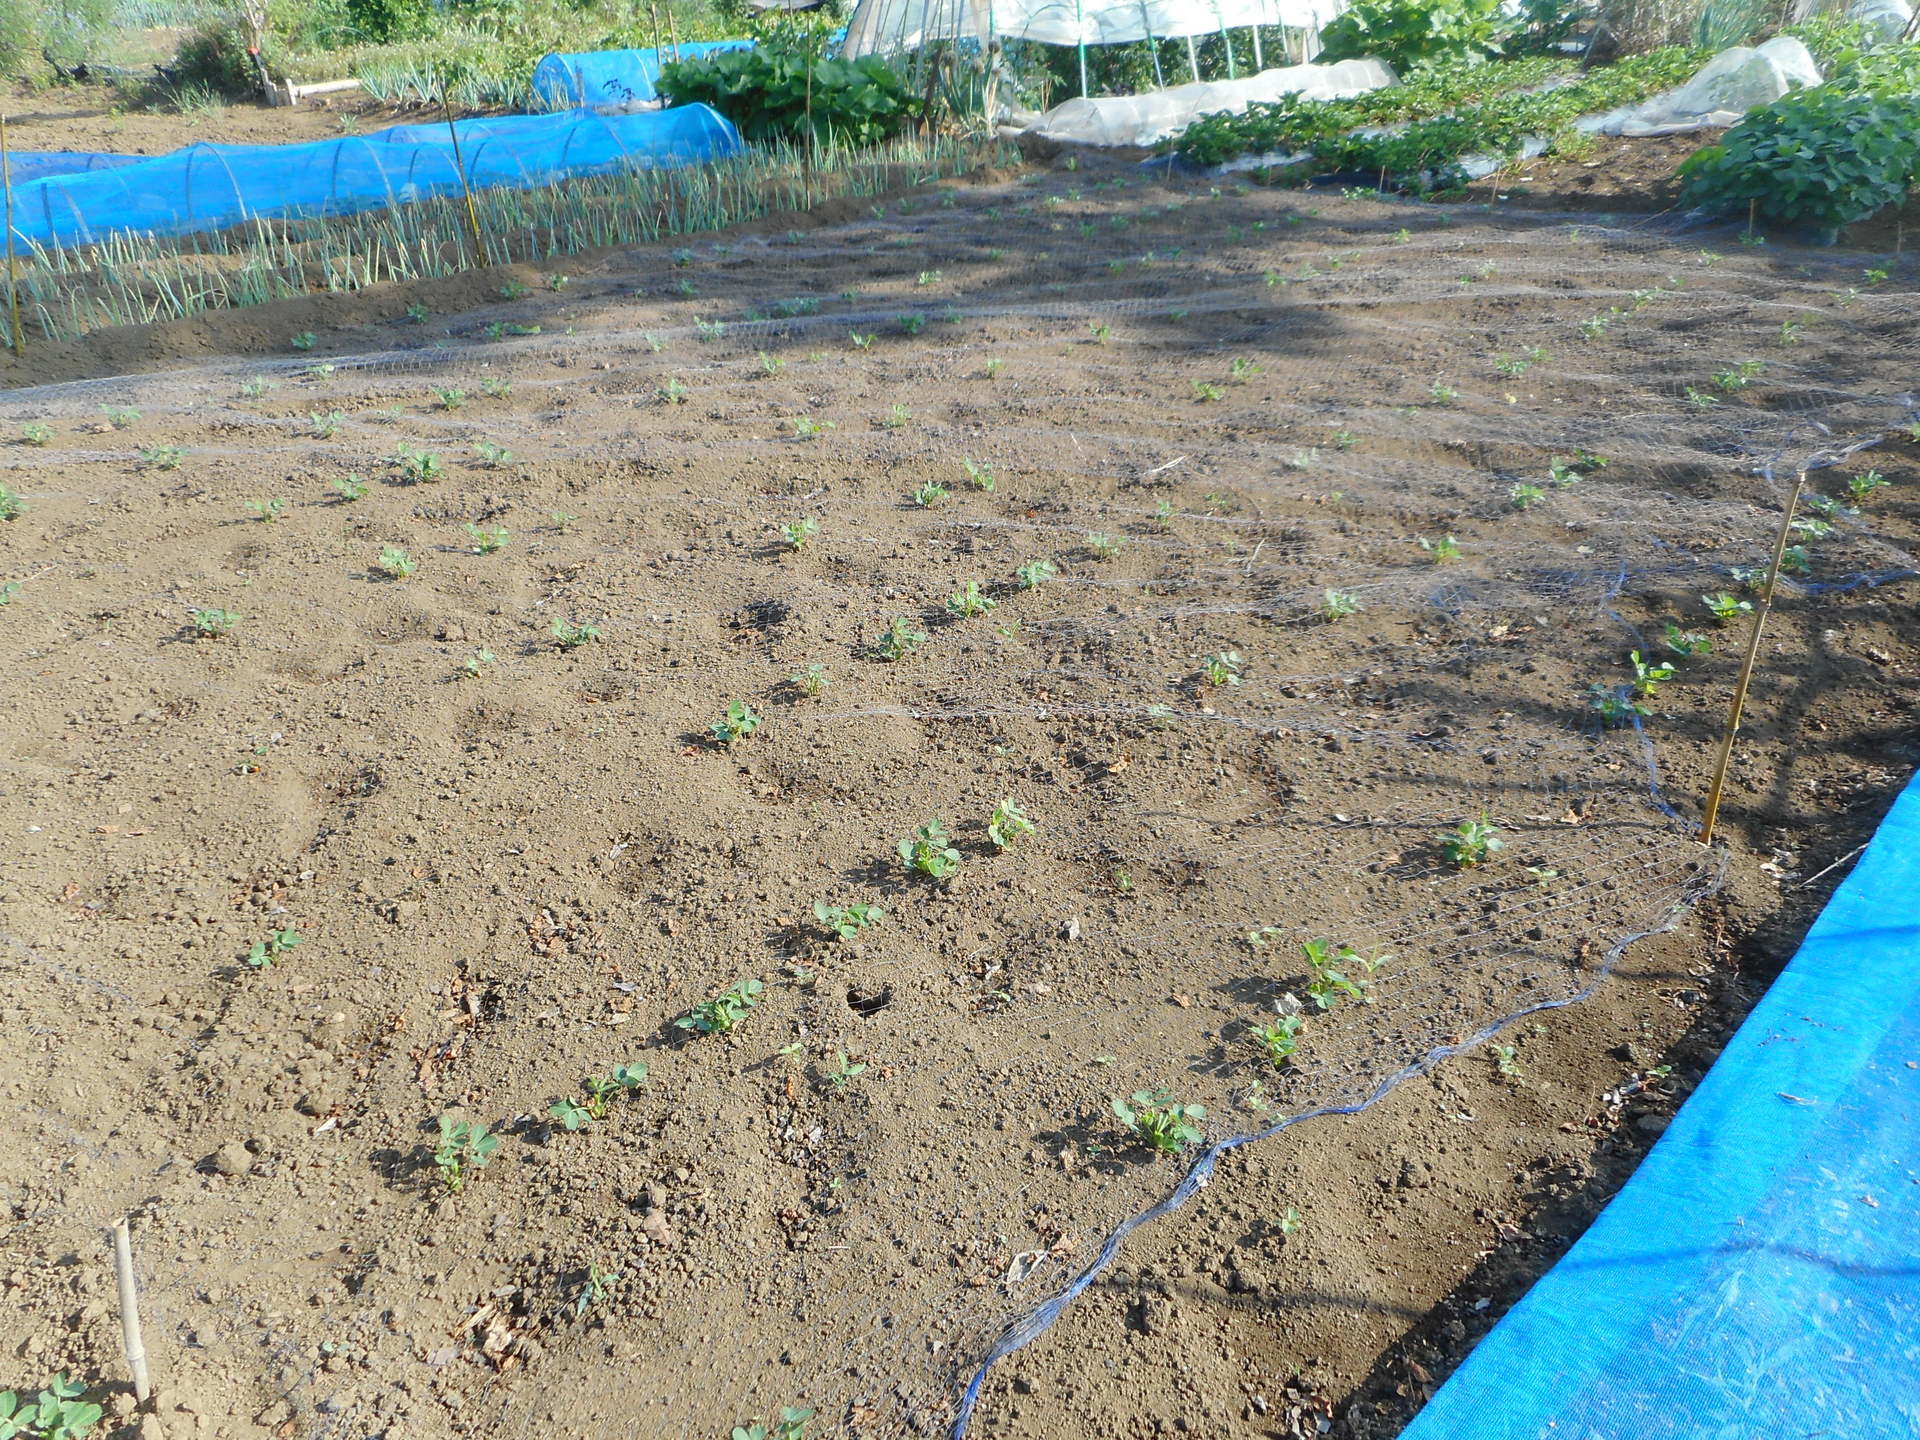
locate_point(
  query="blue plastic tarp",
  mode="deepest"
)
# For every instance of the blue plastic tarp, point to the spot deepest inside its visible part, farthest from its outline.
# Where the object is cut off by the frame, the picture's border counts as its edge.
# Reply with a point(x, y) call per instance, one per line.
point(211, 187)
point(37, 164)
point(1759, 1275)
point(613, 78)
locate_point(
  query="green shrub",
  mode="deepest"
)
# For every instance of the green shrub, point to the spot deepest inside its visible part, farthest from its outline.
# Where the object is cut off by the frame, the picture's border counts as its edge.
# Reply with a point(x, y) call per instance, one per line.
point(214, 53)
point(62, 34)
point(1405, 33)
point(768, 94)
point(1823, 157)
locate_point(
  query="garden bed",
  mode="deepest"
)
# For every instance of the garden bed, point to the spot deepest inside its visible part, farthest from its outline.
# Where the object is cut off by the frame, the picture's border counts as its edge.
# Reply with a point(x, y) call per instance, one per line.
point(512, 862)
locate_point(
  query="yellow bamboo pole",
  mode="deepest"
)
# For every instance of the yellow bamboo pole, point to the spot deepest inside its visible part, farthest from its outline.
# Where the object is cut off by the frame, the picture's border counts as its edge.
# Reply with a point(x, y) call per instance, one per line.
point(1746, 669)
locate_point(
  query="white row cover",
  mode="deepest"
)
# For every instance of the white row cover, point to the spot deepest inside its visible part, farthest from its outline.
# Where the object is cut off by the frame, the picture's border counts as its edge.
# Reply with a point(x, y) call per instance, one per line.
point(885, 27)
point(1143, 119)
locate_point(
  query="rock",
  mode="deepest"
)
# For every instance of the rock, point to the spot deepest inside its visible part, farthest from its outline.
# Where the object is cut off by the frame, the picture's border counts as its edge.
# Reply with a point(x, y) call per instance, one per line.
point(231, 1158)
point(151, 1428)
point(1652, 1124)
point(278, 1413)
point(1626, 1052)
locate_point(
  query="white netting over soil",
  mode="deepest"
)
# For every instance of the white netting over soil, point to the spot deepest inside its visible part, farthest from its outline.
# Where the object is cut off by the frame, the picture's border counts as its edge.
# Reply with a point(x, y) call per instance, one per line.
point(1205, 411)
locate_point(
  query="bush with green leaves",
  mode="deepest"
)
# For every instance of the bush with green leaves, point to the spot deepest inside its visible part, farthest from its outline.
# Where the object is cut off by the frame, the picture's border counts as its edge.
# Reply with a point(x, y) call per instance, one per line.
point(773, 92)
point(1407, 33)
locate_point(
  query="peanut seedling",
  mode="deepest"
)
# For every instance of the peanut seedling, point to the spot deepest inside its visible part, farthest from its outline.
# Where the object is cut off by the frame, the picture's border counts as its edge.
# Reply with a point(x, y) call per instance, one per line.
point(970, 601)
point(928, 852)
point(798, 532)
point(844, 1072)
point(1007, 824)
point(1332, 970)
point(1105, 547)
point(12, 507)
point(847, 921)
point(574, 1114)
point(791, 1425)
point(462, 1146)
point(277, 946)
point(1338, 604)
point(929, 494)
point(350, 488)
point(737, 724)
point(1686, 642)
point(35, 433)
point(396, 562)
point(1443, 550)
point(212, 624)
point(1613, 707)
point(899, 640)
point(1036, 573)
point(1471, 843)
point(572, 634)
point(1525, 497)
point(1158, 1120)
point(267, 512)
point(979, 473)
point(56, 1413)
point(1647, 679)
point(1725, 609)
point(719, 1015)
point(1223, 668)
point(1279, 1040)
point(486, 538)
point(475, 665)
point(809, 680)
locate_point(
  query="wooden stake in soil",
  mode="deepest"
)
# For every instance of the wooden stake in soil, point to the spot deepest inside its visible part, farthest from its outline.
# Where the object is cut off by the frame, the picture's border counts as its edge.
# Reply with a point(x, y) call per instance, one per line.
point(473, 215)
point(13, 273)
point(130, 1311)
point(1746, 669)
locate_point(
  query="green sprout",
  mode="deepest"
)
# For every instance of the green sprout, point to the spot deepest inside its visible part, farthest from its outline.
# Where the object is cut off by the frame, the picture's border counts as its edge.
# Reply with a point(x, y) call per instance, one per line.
point(1647, 679)
point(736, 725)
point(1222, 668)
point(791, 1425)
point(486, 538)
point(35, 433)
point(56, 1413)
point(397, 562)
point(1337, 971)
point(1008, 824)
point(573, 1113)
point(463, 1145)
point(351, 488)
point(1280, 1039)
point(899, 640)
point(572, 634)
point(805, 427)
point(267, 512)
point(302, 341)
point(844, 1072)
point(1206, 390)
point(929, 493)
point(970, 601)
point(1686, 642)
point(1862, 485)
point(1443, 550)
point(1613, 706)
point(1338, 604)
point(1158, 1120)
point(724, 1011)
point(1724, 608)
point(162, 457)
point(1105, 547)
point(1471, 843)
point(1525, 496)
point(475, 665)
point(451, 399)
point(491, 455)
point(847, 921)
point(979, 473)
point(262, 954)
point(809, 679)
point(12, 507)
point(1036, 573)
point(928, 852)
point(798, 532)
point(212, 624)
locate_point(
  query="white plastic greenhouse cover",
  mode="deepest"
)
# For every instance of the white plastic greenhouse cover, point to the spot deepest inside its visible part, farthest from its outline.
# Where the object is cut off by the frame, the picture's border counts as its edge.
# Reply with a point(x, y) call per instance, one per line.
point(891, 26)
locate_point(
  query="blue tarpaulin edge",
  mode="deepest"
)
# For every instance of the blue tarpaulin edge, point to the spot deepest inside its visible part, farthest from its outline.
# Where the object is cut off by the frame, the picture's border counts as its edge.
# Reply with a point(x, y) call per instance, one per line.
point(1759, 1274)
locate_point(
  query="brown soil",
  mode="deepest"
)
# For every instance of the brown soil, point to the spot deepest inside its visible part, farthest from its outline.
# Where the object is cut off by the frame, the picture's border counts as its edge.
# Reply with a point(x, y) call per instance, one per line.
point(504, 883)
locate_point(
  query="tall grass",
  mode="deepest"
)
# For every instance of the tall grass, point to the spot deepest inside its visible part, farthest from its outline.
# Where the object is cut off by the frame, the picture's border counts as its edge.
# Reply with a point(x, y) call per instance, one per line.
point(139, 279)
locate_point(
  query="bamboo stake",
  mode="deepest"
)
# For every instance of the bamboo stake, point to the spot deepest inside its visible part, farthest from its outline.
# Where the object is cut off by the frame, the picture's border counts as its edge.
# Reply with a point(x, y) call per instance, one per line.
point(13, 272)
point(1746, 669)
point(130, 1312)
point(473, 215)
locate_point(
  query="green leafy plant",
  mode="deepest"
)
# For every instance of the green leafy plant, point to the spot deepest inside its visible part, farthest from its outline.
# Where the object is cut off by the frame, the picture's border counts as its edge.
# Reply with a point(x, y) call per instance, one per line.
point(809, 679)
point(1405, 33)
point(1442, 393)
point(791, 1425)
point(1724, 608)
point(1338, 604)
point(1647, 679)
point(844, 1072)
point(1159, 1121)
point(1008, 824)
point(929, 493)
point(1864, 484)
point(573, 1113)
point(1336, 972)
point(1279, 1040)
point(896, 416)
point(970, 601)
point(928, 852)
point(572, 634)
point(58, 1412)
point(1471, 843)
point(737, 724)
point(719, 1015)
point(475, 665)
point(212, 624)
point(1444, 550)
point(495, 388)
point(302, 341)
point(1613, 706)
point(491, 455)
point(674, 392)
point(979, 473)
point(777, 90)
point(12, 507)
point(1686, 642)
point(486, 538)
point(268, 512)
point(1526, 496)
point(7, 592)
point(561, 520)
point(796, 533)
point(451, 399)
point(1036, 573)
point(263, 954)
point(35, 433)
point(899, 640)
point(1222, 668)
point(461, 1147)
point(350, 488)
point(1105, 547)
point(848, 921)
point(1738, 376)
point(419, 467)
point(1205, 390)
point(396, 562)
point(120, 417)
point(324, 426)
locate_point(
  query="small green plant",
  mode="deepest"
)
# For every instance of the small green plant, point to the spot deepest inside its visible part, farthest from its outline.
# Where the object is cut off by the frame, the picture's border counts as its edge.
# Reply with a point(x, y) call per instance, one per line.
point(7, 592)
point(397, 563)
point(1441, 393)
point(1594, 326)
point(1504, 1062)
point(1613, 706)
point(1338, 605)
point(324, 425)
point(120, 417)
point(1863, 485)
point(994, 366)
point(1739, 376)
point(1724, 608)
point(491, 455)
point(805, 427)
point(475, 665)
point(451, 399)
point(927, 277)
point(928, 852)
point(737, 724)
point(1471, 843)
point(719, 1015)
point(1789, 333)
point(1290, 1221)
point(1008, 824)
point(899, 640)
point(57, 1413)
point(254, 388)
point(561, 520)
point(1686, 642)
point(1222, 668)
point(1036, 573)
point(848, 921)
point(12, 507)
point(1700, 399)
point(1105, 547)
point(912, 324)
point(462, 1146)
point(351, 488)
point(809, 679)
point(495, 388)
point(1526, 496)
point(1157, 1120)
point(896, 416)
point(572, 634)
point(970, 601)
point(1336, 972)
point(419, 467)
point(1245, 368)
point(929, 494)
point(1794, 560)
point(1205, 390)
point(979, 473)
point(486, 538)
point(797, 533)
point(302, 341)
point(771, 365)
point(861, 342)
point(212, 624)
point(417, 313)
point(1099, 331)
point(674, 392)
point(1647, 679)
point(844, 1072)
point(1279, 1040)
point(263, 954)
point(1561, 472)
point(267, 512)
point(35, 433)
point(573, 1113)
point(791, 1425)
point(1444, 550)
point(1512, 366)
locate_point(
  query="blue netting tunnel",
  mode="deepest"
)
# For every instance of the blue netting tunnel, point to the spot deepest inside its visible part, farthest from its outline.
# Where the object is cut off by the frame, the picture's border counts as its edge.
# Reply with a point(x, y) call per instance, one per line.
point(38, 164)
point(211, 187)
point(612, 78)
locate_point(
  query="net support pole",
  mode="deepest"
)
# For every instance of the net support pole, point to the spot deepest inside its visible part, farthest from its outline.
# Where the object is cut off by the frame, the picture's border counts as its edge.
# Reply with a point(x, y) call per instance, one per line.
point(1080, 26)
point(1226, 39)
point(1193, 59)
point(1259, 60)
point(13, 269)
point(466, 190)
point(1746, 668)
point(130, 1338)
point(1153, 46)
